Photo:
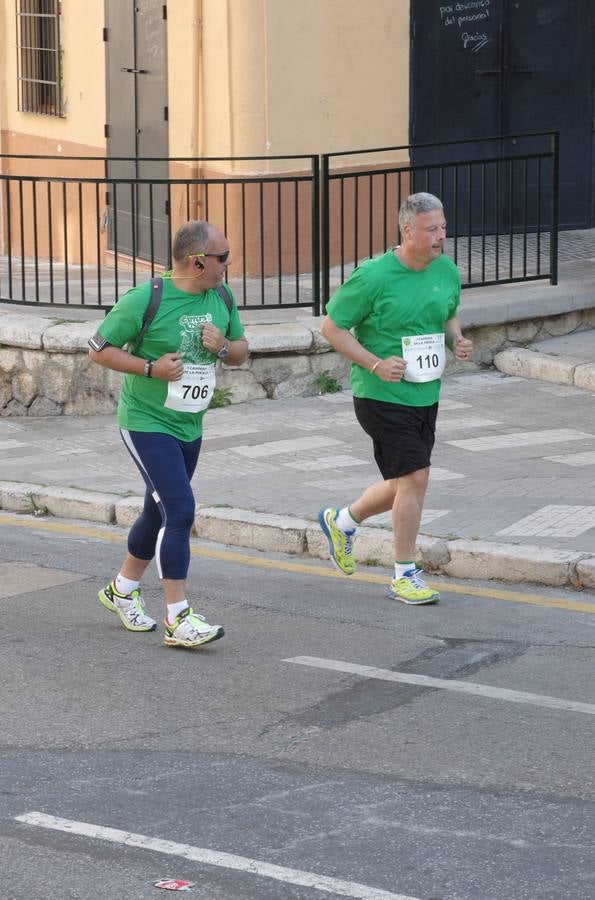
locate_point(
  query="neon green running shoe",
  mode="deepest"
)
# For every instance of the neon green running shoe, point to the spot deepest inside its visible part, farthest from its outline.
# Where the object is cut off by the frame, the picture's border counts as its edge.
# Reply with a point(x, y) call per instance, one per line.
point(339, 542)
point(129, 608)
point(191, 630)
point(411, 588)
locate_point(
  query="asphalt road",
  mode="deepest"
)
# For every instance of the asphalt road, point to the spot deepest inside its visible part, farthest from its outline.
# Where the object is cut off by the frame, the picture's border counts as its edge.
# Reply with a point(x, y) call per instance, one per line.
point(333, 744)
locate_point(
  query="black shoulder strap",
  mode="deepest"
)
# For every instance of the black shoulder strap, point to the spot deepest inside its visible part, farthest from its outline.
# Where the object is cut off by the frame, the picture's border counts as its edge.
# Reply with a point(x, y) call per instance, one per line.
point(225, 296)
point(151, 310)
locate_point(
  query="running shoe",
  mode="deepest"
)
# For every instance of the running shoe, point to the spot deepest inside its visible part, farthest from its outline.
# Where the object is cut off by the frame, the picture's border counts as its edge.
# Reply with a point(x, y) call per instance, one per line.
point(130, 608)
point(340, 546)
point(191, 630)
point(412, 589)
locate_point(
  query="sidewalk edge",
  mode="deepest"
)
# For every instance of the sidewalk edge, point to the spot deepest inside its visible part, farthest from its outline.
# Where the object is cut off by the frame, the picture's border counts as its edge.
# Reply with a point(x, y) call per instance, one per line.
point(466, 559)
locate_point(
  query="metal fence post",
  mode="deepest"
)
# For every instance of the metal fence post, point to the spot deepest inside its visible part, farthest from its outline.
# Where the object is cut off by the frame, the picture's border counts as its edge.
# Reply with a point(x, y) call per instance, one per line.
point(315, 162)
point(325, 231)
point(555, 207)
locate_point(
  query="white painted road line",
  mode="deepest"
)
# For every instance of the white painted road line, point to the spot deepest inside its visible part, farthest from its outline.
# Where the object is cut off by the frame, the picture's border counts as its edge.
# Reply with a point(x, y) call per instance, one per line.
point(212, 858)
point(446, 684)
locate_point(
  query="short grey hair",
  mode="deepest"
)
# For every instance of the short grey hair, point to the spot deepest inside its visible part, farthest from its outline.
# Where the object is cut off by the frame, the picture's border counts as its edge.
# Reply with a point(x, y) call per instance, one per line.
point(416, 204)
point(192, 237)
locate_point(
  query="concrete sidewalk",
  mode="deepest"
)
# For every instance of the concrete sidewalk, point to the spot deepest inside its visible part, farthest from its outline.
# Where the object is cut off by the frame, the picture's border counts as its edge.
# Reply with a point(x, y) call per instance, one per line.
point(512, 489)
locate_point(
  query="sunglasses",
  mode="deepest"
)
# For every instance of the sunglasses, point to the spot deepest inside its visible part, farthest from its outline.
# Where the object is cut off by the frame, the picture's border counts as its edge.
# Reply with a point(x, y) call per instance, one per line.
point(222, 257)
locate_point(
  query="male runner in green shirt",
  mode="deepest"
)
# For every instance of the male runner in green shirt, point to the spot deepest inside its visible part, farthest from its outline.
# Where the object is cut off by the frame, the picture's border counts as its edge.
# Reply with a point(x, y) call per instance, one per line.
point(168, 383)
point(393, 319)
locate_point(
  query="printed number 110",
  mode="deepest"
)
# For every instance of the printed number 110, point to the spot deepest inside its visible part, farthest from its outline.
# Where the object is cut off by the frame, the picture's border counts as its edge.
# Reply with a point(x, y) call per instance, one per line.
point(430, 361)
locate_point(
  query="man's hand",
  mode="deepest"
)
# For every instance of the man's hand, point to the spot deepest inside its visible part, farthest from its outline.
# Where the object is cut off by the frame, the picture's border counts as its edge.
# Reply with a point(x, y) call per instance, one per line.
point(212, 337)
point(169, 367)
point(390, 369)
point(462, 348)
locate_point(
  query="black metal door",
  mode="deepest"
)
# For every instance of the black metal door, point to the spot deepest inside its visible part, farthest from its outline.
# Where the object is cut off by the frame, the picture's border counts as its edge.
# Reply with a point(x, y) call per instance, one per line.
point(493, 67)
point(548, 76)
point(137, 127)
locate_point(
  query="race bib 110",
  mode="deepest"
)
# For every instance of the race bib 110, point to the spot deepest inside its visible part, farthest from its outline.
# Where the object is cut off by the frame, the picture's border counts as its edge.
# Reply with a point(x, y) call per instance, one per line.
point(425, 355)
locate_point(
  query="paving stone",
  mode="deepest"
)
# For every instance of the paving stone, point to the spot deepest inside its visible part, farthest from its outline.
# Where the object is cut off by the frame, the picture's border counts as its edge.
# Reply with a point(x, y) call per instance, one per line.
point(584, 376)
point(244, 528)
point(70, 503)
point(528, 364)
point(489, 560)
point(586, 572)
point(16, 497)
point(127, 510)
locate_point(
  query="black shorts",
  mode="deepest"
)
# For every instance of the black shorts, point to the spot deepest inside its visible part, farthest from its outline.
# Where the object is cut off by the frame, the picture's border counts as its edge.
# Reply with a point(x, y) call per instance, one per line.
point(403, 436)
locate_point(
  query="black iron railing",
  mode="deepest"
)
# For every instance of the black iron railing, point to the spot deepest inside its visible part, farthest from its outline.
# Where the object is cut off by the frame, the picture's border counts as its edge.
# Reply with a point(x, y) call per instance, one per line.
point(502, 208)
point(84, 240)
point(79, 231)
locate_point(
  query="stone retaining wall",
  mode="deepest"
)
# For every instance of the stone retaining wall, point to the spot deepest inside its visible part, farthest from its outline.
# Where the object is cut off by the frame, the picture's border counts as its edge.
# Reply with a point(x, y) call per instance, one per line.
point(45, 369)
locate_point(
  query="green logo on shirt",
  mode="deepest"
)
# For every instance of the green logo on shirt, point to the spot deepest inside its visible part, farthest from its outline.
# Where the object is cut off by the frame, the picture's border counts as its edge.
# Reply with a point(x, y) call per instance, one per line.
point(191, 345)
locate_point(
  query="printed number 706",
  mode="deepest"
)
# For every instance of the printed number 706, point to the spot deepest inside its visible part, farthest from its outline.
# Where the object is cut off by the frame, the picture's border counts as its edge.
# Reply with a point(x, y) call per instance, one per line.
point(195, 391)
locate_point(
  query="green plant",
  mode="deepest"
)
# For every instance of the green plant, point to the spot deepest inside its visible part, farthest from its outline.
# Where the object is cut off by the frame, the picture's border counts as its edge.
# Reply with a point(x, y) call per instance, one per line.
point(35, 509)
point(326, 384)
point(221, 397)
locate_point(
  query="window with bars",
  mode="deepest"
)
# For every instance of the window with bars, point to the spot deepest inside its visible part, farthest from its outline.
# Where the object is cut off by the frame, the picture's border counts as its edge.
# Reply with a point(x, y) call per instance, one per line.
point(39, 57)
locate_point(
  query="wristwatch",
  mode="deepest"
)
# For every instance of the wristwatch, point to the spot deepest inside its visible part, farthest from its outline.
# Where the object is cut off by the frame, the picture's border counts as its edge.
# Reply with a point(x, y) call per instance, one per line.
point(224, 350)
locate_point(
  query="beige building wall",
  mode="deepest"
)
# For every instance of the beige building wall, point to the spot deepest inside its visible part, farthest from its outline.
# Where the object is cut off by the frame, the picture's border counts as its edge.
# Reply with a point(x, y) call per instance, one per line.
point(246, 78)
point(184, 30)
point(276, 78)
point(37, 209)
point(80, 131)
point(279, 78)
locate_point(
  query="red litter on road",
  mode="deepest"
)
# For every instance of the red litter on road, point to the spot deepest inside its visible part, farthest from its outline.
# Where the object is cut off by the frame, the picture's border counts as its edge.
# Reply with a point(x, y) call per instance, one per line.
point(173, 884)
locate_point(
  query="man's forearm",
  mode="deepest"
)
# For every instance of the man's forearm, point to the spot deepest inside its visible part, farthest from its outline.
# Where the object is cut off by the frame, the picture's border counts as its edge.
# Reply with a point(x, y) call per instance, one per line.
point(452, 331)
point(119, 360)
point(347, 345)
point(238, 353)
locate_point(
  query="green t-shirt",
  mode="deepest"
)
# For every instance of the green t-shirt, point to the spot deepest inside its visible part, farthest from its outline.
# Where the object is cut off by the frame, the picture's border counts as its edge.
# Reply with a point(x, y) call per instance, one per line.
point(383, 301)
point(176, 328)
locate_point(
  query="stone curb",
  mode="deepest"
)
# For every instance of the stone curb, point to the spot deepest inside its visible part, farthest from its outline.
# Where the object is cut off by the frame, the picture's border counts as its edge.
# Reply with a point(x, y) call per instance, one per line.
point(546, 367)
point(482, 560)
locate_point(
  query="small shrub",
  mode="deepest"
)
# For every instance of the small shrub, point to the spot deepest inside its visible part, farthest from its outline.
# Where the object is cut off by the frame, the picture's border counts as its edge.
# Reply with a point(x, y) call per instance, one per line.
point(221, 397)
point(326, 384)
point(36, 510)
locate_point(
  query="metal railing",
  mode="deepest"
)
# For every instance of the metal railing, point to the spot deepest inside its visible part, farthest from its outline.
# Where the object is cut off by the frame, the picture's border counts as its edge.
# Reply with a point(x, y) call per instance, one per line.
point(502, 209)
point(82, 241)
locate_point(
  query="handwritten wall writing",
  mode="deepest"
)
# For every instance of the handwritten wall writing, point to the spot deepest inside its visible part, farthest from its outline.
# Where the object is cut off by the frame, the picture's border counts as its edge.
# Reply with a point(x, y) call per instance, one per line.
point(465, 17)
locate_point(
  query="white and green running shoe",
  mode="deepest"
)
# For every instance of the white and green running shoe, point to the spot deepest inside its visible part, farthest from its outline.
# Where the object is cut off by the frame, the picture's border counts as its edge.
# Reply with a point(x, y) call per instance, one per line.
point(130, 608)
point(340, 545)
point(412, 589)
point(191, 630)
